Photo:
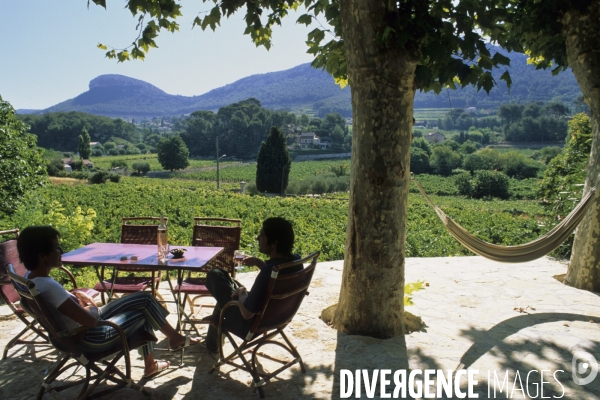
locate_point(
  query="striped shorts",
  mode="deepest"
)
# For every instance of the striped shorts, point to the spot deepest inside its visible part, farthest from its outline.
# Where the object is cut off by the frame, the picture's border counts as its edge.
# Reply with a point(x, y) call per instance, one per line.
point(130, 312)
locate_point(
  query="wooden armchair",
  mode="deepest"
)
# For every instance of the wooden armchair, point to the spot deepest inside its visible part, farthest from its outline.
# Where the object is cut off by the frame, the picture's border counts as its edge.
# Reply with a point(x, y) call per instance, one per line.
point(283, 299)
point(9, 255)
point(130, 278)
point(64, 342)
point(211, 232)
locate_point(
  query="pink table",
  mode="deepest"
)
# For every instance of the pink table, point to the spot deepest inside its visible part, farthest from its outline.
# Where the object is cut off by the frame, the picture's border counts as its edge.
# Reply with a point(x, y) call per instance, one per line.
point(110, 254)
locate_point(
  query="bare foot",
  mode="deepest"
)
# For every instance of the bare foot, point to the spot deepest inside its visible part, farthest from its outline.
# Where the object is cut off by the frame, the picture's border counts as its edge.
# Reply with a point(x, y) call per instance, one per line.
point(156, 367)
point(180, 341)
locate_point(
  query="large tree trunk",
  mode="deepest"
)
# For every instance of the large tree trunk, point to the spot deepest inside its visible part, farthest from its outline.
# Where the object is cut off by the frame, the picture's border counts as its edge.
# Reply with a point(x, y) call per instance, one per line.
point(382, 81)
point(582, 36)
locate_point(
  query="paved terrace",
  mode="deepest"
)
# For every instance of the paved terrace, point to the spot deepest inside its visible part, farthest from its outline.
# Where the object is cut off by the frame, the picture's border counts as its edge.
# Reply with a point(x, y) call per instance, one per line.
point(479, 315)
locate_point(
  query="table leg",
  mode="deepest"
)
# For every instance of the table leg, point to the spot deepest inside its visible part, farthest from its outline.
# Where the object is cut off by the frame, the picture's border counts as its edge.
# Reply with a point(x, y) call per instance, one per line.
point(177, 297)
point(101, 280)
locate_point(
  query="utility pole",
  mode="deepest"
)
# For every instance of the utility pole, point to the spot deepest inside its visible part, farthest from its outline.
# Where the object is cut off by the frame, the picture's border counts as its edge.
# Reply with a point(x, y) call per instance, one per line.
point(218, 182)
point(218, 158)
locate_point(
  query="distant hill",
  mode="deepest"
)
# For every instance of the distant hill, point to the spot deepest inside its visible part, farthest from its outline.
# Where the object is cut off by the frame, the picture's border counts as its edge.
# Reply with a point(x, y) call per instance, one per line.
point(304, 88)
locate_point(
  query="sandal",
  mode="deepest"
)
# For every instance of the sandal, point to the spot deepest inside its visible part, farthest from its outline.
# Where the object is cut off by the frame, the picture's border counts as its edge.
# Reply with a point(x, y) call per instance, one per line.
point(166, 365)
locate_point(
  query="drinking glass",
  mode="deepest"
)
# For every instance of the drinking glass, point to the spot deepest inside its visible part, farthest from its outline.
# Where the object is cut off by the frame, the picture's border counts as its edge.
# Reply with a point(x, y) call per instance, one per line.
point(164, 252)
point(238, 256)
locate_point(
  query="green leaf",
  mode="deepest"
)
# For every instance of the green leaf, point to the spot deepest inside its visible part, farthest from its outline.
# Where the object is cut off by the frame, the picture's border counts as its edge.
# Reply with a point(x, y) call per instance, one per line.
point(506, 78)
point(305, 19)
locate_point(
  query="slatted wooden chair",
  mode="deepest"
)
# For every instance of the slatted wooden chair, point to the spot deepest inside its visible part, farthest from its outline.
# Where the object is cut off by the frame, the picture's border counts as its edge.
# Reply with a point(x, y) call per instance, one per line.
point(64, 341)
point(212, 232)
point(129, 278)
point(283, 299)
point(8, 254)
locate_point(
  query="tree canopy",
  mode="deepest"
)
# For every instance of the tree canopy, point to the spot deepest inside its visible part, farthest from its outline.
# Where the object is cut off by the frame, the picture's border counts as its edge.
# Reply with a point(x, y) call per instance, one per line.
point(61, 130)
point(85, 151)
point(273, 164)
point(172, 153)
point(22, 167)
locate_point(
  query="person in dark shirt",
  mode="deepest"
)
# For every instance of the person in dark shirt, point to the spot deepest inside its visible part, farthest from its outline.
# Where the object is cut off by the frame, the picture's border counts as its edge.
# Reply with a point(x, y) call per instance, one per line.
point(276, 240)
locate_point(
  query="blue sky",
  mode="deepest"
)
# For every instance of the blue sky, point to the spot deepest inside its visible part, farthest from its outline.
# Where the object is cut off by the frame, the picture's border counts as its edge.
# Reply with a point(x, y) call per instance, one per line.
point(48, 50)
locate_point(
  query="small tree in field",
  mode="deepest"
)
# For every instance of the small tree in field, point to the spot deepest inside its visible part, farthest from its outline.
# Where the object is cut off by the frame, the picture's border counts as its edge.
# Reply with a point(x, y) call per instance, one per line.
point(85, 151)
point(172, 153)
point(273, 163)
point(141, 168)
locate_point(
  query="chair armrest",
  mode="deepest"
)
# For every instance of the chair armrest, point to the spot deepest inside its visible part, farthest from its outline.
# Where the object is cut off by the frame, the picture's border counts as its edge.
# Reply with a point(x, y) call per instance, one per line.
point(119, 331)
point(70, 275)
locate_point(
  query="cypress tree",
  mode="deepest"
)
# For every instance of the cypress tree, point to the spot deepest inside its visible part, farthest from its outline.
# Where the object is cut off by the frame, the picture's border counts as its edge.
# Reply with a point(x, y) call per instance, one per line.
point(273, 163)
point(85, 151)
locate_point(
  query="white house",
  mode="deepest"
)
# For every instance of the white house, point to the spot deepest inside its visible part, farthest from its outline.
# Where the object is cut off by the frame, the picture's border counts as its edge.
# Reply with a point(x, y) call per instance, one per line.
point(434, 137)
point(307, 139)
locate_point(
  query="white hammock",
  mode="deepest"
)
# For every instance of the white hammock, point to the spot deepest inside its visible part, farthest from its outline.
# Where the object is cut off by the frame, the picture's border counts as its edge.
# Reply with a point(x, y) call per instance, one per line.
point(521, 253)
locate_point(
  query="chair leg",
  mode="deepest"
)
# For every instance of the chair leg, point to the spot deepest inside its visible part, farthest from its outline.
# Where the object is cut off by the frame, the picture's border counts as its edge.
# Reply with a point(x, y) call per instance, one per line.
point(13, 341)
point(83, 393)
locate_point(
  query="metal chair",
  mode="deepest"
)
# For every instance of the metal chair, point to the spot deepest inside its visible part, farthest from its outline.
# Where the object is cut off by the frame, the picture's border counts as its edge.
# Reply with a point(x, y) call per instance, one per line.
point(64, 341)
point(133, 233)
point(284, 296)
point(211, 232)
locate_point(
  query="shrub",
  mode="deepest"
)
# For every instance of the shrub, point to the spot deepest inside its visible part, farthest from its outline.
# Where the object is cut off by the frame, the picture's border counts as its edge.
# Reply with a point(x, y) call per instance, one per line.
point(319, 186)
point(339, 170)
point(118, 164)
point(113, 152)
point(251, 188)
point(114, 177)
point(490, 184)
point(97, 153)
point(342, 185)
point(444, 160)
point(419, 161)
point(141, 168)
point(99, 177)
point(516, 165)
point(77, 165)
point(463, 184)
point(122, 151)
point(109, 146)
point(54, 167)
point(305, 187)
point(78, 175)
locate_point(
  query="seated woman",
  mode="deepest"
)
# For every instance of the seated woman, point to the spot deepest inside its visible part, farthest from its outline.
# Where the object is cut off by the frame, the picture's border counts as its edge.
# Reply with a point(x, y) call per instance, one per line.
point(39, 250)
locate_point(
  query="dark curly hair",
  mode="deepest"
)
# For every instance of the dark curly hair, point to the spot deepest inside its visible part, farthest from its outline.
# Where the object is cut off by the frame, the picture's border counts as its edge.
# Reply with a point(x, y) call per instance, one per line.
point(281, 231)
point(33, 241)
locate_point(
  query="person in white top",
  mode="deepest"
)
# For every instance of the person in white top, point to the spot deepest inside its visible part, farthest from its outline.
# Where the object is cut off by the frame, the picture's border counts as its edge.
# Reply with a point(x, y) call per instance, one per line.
point(40, 252)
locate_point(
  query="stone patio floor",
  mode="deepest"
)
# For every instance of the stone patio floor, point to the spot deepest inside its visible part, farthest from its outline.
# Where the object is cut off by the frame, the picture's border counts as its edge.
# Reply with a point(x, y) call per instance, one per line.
point(479, 315)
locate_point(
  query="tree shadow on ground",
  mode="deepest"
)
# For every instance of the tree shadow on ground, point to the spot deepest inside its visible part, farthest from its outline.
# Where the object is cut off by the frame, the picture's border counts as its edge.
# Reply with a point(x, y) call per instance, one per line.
point(230, 382)
point(528, 352)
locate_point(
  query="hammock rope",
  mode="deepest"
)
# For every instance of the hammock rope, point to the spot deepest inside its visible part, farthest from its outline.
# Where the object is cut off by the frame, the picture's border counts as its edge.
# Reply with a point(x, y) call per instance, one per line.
point(521, 253)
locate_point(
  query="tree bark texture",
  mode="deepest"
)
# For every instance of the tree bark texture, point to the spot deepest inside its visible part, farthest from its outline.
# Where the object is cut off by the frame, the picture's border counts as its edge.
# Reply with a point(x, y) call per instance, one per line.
point(581, 31)
point(381, 77)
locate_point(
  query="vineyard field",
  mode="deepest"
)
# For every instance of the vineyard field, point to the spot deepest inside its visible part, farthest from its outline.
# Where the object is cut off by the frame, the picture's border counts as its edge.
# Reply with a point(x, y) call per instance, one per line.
point(152, 159)
point(300, 170)
point(320, 222)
